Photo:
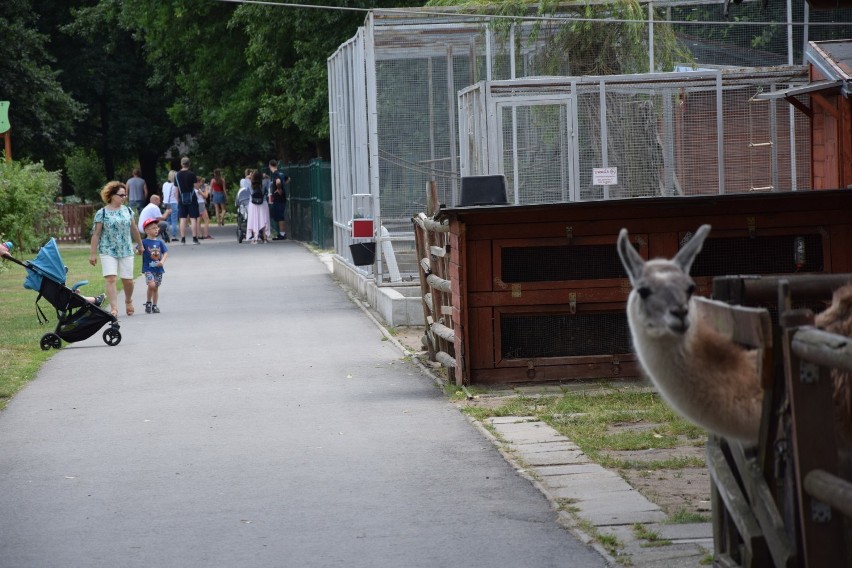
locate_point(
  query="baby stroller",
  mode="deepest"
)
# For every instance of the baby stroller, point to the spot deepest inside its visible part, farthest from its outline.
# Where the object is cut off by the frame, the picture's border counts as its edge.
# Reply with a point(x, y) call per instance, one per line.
point(243, 197)
point(77, 318)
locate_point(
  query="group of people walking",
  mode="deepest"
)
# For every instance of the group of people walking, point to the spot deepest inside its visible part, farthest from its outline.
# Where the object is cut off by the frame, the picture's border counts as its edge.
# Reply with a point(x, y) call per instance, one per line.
point(117, 235)
point(265, 197)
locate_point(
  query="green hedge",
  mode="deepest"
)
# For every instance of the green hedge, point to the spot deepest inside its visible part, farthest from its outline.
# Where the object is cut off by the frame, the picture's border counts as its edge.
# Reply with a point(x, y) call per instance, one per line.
point(28, 216)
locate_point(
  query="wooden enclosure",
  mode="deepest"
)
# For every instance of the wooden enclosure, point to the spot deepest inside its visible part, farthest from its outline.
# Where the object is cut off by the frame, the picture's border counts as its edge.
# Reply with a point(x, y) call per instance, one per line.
point(783, 502)
point(537, 292)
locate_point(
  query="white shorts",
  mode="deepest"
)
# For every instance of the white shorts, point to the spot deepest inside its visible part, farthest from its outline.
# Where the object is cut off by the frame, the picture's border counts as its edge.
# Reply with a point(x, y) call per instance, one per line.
point(121, 267)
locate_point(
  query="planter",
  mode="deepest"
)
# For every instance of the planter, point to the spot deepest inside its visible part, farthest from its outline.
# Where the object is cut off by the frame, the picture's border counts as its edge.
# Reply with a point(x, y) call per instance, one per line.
point(363, 254)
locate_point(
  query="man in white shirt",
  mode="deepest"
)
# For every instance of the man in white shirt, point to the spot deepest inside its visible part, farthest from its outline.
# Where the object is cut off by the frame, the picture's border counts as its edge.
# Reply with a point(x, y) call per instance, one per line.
point(152, 211)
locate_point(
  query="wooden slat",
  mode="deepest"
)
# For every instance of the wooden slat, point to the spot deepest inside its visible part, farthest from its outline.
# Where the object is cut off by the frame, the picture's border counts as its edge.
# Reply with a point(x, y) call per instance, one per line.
point(830, 489)
point(443, 332)
point(764, 509)
point(736, 505)
point(751, 327)
point(439, 283)
point(810, 397)
point(823, 348)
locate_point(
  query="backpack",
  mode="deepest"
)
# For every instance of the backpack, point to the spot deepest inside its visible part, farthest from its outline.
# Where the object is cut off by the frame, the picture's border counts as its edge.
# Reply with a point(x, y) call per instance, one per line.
point(257, 195)
point(186, 198)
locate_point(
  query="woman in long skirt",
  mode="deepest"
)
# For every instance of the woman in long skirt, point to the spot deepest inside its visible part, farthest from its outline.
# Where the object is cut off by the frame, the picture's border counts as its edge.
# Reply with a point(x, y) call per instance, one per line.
point(258, 211)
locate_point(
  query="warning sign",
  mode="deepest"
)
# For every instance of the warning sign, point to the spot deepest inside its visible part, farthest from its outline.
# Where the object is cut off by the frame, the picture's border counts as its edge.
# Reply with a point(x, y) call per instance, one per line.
point(604, 176)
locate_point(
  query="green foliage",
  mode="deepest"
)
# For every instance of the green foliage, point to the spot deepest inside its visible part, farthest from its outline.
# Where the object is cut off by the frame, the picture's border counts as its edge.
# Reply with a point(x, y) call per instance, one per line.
point(43, 115)
point(28, 215)
point(85, 172)
point(601, 39)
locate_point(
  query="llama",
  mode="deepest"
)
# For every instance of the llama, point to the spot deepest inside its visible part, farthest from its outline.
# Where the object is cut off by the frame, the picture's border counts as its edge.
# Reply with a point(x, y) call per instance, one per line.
point(703, 375)
point(837, 318)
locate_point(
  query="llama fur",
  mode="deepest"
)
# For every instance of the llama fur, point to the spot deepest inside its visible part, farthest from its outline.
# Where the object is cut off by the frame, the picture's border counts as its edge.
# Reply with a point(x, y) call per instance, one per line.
point(837, 318)
point(702, 375)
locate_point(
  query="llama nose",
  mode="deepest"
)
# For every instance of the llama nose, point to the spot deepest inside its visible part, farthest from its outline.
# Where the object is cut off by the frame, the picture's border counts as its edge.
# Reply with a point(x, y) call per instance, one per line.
point(680, 313)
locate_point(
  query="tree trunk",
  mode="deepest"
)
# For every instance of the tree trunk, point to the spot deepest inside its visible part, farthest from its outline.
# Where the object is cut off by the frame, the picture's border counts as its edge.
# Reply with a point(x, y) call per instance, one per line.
point(148, 166)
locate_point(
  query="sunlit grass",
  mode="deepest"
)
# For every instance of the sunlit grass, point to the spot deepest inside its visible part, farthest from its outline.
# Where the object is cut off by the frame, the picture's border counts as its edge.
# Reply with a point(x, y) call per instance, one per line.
point(588, 419)
point(20, 333)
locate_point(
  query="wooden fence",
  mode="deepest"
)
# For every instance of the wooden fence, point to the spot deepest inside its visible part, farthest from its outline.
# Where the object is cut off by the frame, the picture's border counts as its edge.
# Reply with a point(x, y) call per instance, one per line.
point(782, 503)
point(430, 238)
point(78, 222)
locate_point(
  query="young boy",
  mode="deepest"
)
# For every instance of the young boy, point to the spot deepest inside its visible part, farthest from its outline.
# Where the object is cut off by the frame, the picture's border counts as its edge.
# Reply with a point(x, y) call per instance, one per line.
point(154, 254)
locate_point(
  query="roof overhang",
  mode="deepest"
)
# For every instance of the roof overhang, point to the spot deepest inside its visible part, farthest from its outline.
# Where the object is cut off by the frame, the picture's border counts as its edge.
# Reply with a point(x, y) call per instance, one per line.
point(799, 90)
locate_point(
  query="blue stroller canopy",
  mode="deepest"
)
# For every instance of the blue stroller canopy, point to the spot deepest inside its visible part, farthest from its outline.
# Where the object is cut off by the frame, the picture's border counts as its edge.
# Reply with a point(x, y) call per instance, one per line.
point(47, 262)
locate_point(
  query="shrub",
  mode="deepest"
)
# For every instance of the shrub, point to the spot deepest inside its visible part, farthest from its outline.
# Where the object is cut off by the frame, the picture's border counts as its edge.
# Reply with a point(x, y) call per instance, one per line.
point(85, 173)
point(28, 215)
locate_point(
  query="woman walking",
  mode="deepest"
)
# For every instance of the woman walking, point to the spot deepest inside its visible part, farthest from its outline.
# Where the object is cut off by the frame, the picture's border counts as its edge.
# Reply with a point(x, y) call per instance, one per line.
point(219, 195)
point(112, 239)
point(170, 198)
point(258, 211)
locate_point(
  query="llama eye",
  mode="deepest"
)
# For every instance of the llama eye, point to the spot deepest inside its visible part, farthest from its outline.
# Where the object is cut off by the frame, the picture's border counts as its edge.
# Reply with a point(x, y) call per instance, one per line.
point(691, 290)
point(643, 292)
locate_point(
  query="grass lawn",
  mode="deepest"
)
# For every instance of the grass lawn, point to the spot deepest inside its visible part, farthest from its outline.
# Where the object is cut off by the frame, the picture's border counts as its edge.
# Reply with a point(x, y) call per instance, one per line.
point(605, 420)
point(20, 354)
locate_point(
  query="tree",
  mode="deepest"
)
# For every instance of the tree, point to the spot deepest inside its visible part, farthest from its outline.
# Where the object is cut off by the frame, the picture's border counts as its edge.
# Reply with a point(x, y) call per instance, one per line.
point(42, 114)
point(105, 67)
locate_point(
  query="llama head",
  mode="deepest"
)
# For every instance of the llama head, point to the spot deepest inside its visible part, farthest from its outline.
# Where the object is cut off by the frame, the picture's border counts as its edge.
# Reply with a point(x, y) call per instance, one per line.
point(658, 305)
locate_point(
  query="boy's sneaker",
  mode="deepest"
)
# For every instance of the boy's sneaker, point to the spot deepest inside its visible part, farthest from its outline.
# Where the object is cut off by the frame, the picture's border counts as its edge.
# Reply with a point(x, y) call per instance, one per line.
point(155, 309)
point(99, 299)
point(183, 240)
point(147, 307)
point(195, 241)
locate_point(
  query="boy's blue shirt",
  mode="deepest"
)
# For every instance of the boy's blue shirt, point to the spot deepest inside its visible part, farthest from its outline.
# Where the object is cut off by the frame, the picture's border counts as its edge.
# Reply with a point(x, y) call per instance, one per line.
point(152, 249)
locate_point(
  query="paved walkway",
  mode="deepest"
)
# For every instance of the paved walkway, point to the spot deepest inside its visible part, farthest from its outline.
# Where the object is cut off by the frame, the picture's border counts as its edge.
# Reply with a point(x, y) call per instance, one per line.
point(260, 420)
point(599, 498)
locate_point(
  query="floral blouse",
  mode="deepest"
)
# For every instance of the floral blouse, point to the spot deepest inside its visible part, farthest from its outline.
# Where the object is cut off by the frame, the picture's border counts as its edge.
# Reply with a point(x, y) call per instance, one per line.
point(115, 238)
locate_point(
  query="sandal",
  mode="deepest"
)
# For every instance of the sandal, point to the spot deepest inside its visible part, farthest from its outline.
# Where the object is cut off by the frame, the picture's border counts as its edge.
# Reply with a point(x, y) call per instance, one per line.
point(128, 306)
point(114, 312)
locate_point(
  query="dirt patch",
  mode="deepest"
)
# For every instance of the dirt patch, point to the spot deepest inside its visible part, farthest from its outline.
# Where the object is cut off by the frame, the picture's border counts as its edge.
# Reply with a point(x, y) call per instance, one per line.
point(676, 491)
point(410, 337)
point(684, 490)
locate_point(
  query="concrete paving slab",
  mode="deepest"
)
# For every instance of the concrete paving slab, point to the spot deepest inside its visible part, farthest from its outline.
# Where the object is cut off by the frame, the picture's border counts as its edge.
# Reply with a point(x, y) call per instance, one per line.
point(578, 490)
point(511, 419)
point(552, 458)
point(605, 519)
point(622, 503)
point(543, 447)
point(592, 477)
point(528, 433)
point(686, 531)
point(572, 469)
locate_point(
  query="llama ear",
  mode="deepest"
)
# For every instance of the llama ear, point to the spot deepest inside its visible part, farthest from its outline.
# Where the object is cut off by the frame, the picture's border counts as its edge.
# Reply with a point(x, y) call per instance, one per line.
point(633, 263)
point(690, 250)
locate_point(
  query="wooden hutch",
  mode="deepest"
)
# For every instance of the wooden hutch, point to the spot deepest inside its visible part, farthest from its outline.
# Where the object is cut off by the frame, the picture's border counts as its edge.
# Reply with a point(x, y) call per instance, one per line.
point(538, 292)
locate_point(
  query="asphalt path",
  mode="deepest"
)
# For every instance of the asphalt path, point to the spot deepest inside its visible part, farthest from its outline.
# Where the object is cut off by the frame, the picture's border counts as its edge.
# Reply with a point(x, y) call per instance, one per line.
point(259, 420)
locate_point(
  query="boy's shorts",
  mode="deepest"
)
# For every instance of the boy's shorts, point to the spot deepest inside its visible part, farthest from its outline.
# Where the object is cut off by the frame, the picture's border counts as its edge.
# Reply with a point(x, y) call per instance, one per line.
point(155, 277)
point(279, 211)
point(121, 267)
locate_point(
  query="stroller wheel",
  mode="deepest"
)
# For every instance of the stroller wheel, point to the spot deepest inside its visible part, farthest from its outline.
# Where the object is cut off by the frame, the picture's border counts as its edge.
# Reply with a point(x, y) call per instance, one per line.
point(49, 340)
point(112, 337)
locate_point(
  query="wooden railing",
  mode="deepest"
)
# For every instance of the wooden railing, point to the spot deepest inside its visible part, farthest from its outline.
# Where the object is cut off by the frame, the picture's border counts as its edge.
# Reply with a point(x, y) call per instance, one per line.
point(782, 503)
point(78, 221)
point(430, 238)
